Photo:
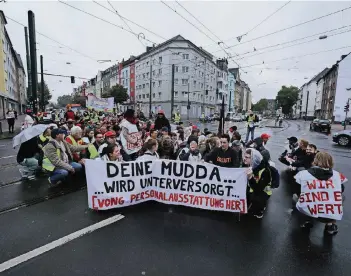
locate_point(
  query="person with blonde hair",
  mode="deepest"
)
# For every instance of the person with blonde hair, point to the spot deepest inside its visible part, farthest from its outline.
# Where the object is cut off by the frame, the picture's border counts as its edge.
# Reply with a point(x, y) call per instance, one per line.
point(321, 193)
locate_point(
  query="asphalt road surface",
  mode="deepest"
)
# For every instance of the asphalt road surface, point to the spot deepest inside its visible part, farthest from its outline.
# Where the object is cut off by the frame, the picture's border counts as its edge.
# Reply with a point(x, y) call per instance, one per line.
point(149, 239)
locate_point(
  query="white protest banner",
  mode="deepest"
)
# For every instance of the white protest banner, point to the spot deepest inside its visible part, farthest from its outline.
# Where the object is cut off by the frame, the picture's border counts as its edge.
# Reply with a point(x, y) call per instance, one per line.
point(100, 104)
point(199, 185)
point(320, 198)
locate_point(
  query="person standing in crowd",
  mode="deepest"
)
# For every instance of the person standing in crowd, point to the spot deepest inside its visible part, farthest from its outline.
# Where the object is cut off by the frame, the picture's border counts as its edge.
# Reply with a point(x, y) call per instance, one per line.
point(69, 113)
point(177, 117)
point(58, 157)
point(99, 140)
point(151, 147)
point(223, 156)
point(10, 116)
point(111, 153)
point(161, 121)
point(251, 120)
point(259, 182)
point(89, 136)
point(321, 171)
point(211, 143)
point(152, 135)
point(130, 135)
point(27, 157)
point(166, 146)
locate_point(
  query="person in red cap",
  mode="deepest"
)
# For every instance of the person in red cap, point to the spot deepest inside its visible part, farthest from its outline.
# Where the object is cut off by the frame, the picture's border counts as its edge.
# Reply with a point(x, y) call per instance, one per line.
point(161, 121)
point(110, 139)
point(265, 137)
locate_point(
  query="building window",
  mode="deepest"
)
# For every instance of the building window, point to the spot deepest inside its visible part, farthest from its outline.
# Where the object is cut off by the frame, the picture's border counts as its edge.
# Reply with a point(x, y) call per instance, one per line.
point(144, 85)
point(153, 73)
point(176, 69)
point(185, 56)
point(194, 84)
point(147, 75)
point(143, 76)
point(160, 71)
point(176, 94)
point(159, 83)
point(147, 95)
point(147, 63)
point(160, 59)
point(184, 81)
point(153, 95)
point(153, 84)
point(143, 96)
point(185, 69)
point(176, 81)
point(147, 85)
point(202, 85)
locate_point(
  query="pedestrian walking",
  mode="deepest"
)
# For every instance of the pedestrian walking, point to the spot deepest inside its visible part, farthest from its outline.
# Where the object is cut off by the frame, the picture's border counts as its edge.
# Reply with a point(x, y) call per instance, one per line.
point(10, 116)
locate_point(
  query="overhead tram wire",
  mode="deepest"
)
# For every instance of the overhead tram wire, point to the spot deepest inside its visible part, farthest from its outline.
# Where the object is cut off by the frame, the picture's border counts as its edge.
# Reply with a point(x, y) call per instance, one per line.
point(106, 21)
point(125, 22)
point(269, 16)
point(287, 28)
point(294, 57)
point(54, 40)
point(136, 24)
point(297, 44)
point(200, 31)
point(291, 41)
point(219, 40)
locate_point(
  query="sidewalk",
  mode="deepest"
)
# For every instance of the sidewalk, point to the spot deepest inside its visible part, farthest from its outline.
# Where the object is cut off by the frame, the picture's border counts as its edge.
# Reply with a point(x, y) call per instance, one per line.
point(337, 127)
point(5, 129)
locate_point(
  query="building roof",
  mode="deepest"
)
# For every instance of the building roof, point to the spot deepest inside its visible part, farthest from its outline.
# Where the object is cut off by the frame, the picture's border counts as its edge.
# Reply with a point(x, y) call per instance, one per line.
point(3, 16)
point(178, 38)
point(234, 71)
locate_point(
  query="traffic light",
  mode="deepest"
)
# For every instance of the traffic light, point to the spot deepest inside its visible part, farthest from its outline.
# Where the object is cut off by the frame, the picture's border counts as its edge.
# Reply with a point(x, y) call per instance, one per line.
point(347, 108)
point(72, 79)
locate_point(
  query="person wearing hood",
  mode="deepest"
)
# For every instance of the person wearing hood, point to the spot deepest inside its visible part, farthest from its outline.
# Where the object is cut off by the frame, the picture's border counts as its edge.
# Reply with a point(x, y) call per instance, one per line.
point(238, 147)
point(192, 154)
point(321, 178)
point(259, 182)
point(151, 147)
point(161, 121)
point(130, 135)
point(58, 157)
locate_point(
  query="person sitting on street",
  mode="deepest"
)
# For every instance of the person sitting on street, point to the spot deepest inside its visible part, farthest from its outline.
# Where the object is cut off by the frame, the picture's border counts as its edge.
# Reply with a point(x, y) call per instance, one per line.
point(151, 147)
point(166, 146)
point(259, 182)
point(211, 143)
point(99, 140)
point(89, 137)
point(292, 146)
point(69, 115)
point(58, 157)
point(111, 153)
point(43, 139)
point(305, 162)
point(321, 171)
point(298, 155)
point(110, 139)
point(76, 139)
point(192, 155)
point(27, 157)
point(223, 156)
point(265, 137)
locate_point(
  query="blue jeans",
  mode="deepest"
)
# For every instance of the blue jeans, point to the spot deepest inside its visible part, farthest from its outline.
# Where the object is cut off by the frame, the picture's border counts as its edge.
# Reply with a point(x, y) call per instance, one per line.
point(252, 131)
point(61, 174)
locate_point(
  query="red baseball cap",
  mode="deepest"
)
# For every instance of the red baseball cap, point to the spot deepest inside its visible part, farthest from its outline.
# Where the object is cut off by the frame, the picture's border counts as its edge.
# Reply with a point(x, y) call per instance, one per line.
point(265, 136)
point(110, 133)
point(161, 112)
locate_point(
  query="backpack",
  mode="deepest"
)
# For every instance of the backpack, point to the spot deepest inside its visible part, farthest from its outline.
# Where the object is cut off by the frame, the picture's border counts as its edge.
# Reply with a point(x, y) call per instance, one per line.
point(275, 177)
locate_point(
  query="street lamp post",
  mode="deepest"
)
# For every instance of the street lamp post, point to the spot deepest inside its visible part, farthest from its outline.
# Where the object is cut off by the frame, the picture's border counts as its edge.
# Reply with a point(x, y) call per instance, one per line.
point(188, 106)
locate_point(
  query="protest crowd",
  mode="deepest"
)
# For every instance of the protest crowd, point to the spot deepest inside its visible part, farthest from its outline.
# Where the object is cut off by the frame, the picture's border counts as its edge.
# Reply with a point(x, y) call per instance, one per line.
point(61, 150)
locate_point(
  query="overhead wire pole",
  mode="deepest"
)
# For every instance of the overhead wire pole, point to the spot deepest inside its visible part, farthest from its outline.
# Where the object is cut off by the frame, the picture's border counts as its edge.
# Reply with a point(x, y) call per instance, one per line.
point(150, 98)
point(28, 64)
point(172, 90)
point(33, 57)
point(42, 103)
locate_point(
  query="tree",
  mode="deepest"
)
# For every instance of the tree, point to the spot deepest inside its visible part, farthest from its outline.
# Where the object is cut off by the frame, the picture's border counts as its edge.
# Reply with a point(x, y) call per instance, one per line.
point(260, 106)
point(64, 100)
point(47, 94)
point(78, 99)
point(286, 98)
point(118, 92)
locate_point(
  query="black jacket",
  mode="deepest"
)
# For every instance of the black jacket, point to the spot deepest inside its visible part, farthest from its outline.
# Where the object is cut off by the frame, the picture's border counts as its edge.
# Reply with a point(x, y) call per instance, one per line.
point(28, 149)
point(322, 174)
point(256, 183)
point(304, 161)
point(221, 158)
point(162, 122)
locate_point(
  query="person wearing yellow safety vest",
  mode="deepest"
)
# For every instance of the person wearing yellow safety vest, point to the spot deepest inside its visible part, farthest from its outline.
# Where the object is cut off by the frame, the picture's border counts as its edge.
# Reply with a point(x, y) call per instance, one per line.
point(177, 117)
point(58, 157)
point(43, 139)
point(259, 182)
point(251, 120)
point(94, 116)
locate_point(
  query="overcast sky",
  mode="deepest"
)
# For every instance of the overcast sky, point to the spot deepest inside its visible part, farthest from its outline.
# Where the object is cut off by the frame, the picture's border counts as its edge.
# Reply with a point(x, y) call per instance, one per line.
point(101, 41)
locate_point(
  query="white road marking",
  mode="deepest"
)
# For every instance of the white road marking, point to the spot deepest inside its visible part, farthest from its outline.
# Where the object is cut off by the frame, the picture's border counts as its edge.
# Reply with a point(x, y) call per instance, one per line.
point(5, 157)
point(45, 248)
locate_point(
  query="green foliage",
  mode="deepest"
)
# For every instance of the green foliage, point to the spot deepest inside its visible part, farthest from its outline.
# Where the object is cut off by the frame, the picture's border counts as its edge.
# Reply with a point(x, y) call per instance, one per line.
point(47, 94)
point(77, 99)
point(118, 92)
point(286, 98)
point(260, 106)
point(64, 100)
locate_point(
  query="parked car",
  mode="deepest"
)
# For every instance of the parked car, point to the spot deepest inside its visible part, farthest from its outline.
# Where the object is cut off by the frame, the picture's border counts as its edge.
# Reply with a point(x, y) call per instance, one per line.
point(343, 138)
point(237, 118)
point(216, 117)
point(229, 116)
point(320, 125)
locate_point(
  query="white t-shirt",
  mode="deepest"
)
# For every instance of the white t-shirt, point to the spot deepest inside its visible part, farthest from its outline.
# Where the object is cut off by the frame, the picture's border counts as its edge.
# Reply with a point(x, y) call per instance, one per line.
point(320, 198)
